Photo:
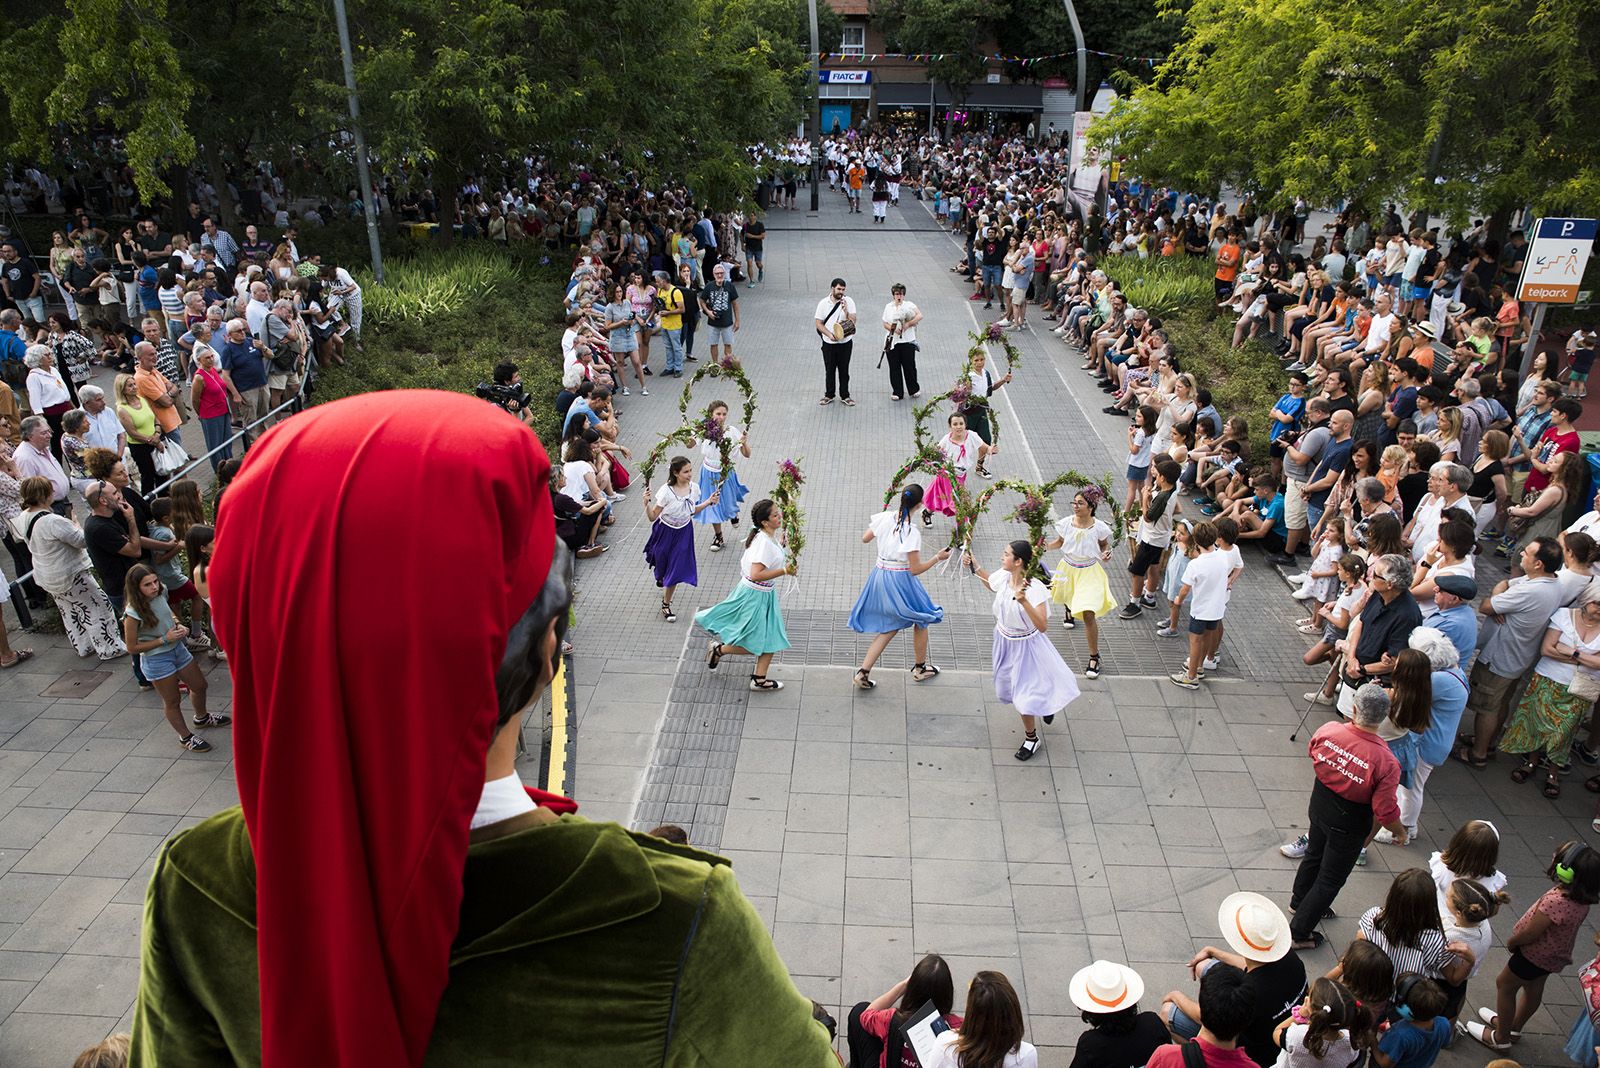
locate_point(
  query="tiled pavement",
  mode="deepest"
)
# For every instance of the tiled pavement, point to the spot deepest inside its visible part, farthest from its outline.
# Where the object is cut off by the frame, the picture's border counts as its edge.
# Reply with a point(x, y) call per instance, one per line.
point(866, 828)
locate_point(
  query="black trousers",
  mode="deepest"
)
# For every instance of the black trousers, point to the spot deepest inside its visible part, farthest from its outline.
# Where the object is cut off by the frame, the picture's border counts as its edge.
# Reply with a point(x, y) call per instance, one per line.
point(865, 1050)
point(836, 362)
point(903, 369)
point(1338, 829)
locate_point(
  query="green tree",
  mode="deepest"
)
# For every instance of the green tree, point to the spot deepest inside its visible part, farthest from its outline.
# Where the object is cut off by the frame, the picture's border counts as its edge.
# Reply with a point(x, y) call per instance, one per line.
point(1472, 107)
point(961, 31)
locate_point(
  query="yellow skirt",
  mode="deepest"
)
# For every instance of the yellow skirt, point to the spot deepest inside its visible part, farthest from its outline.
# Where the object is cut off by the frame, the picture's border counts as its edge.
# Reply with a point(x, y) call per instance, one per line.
point(1082, 589)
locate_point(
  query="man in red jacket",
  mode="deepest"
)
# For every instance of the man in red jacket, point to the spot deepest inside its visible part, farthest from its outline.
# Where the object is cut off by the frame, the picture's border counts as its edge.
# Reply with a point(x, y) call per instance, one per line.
point(1354, 793)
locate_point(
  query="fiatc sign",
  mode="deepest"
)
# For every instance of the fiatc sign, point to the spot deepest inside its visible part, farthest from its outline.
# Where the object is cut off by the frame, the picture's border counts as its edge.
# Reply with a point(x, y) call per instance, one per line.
point(1553, 269)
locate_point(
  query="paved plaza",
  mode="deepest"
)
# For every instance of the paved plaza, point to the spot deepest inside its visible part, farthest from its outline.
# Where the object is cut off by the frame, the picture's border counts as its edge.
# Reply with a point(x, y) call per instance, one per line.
point(867, 828)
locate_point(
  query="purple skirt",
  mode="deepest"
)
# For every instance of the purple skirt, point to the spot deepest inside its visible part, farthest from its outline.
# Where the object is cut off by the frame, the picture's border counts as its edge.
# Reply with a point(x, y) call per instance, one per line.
point(670, 553)
point(1030, 674)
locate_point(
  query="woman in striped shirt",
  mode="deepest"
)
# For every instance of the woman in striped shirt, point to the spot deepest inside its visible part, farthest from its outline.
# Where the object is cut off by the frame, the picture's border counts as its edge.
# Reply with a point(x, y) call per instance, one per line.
point(1407, 927)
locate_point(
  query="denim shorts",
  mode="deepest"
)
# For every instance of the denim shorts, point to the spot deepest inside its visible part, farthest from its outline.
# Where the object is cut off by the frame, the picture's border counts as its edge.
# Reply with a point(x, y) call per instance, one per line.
point(164, 663)
point(992, 275)
point(721, 335)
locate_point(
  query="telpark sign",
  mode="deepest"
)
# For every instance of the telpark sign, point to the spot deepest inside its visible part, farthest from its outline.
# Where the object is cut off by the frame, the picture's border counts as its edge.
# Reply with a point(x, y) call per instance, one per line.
point(1553, 269)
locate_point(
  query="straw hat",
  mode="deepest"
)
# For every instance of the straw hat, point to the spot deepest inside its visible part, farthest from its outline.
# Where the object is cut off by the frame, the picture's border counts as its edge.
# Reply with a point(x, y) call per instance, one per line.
point(1105, 987)
point(1255, 927)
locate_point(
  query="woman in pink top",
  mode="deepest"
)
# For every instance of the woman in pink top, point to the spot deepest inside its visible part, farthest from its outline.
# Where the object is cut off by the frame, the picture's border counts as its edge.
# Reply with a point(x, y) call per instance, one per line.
point(209, 395)
point(872, 1030)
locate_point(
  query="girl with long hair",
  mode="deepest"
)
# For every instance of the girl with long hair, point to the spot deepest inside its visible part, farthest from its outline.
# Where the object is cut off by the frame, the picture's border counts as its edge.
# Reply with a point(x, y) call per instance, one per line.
point(1330, 1027)
point(1408, 928)
point(893, 599)
point(151, 634)
point(1410, 704)
point(669, 551)
point(1079, 581)
point(713, 479)
point(1028, 672)
point(197, 542)
point(991, 1030)
point(872, 1029)
point(749, 618)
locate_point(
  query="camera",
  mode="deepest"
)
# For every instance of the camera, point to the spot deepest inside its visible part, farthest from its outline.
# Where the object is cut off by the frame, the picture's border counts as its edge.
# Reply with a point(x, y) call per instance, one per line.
point(510, 396)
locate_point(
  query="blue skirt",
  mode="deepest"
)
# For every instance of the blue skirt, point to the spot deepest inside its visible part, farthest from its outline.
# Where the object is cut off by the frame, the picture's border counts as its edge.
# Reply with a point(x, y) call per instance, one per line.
point(670, 553)
point(891, 601)
point(748, 618)
point(733, 494)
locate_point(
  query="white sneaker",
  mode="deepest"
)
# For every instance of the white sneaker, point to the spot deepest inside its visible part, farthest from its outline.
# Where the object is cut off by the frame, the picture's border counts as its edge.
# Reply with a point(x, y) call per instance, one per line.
point(1296, 849)
point(1166, 631)
point(1317, 697)
point(643, 392)
point(1211, 663)
point(1303, 593)
point(1303, 576)
point(625, 392)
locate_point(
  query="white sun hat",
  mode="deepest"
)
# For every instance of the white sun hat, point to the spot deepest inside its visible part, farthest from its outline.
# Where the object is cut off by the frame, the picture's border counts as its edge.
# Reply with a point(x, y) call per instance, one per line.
point(1105, 987)
point(1255, 927)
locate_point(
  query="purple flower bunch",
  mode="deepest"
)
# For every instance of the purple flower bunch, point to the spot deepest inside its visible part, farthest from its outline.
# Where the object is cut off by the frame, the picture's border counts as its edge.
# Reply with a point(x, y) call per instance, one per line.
point(961, 396)
point(790, 469)
point(1032, 511)
point(996, 332)
point(711, 430)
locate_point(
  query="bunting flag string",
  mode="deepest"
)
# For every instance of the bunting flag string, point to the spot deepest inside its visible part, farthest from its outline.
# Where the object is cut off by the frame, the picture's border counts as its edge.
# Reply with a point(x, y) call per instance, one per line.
point(1026, 61)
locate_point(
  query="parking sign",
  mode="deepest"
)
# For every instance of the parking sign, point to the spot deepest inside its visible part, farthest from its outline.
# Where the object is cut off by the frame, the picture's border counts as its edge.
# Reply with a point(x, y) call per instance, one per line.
point(1553, 269)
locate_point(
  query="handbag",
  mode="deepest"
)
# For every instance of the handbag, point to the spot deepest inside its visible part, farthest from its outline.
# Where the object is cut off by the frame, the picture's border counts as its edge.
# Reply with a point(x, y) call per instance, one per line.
point(1584, 685)
point(620, 479)
point(170, 457)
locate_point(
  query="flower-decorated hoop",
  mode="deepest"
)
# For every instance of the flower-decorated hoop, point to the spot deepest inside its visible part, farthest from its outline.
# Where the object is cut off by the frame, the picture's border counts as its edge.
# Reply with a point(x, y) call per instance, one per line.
point(787, 497)
point(962, 397)
point(994, 333)
point(1034, 509)
point(727, 368)
point(684, 436)
point(932, 461)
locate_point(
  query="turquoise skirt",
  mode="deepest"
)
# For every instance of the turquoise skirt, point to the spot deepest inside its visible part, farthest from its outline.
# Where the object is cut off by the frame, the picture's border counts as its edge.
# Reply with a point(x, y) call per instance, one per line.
point(748, 618)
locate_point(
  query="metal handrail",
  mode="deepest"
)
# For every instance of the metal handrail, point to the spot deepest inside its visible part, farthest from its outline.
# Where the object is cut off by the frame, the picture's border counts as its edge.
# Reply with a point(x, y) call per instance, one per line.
point(20, 602)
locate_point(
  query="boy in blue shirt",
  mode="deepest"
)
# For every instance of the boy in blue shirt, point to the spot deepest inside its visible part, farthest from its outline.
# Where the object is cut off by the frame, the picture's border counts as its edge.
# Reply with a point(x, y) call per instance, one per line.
point(1415, 1040)
point(1287, 415)
point(1260, 518)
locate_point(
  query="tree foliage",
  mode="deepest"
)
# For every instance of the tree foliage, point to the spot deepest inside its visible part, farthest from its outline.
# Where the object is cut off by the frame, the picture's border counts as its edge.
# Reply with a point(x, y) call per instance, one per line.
point(1343, 100)
point(459, 85)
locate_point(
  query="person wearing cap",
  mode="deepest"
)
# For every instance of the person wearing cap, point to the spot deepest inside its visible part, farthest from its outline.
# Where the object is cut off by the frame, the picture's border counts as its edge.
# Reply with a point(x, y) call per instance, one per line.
point(1226, 1005)
point(1354, 792)
point(1119, 1034)
point(389, 892)
point(1257, 933)
point(1453, 614)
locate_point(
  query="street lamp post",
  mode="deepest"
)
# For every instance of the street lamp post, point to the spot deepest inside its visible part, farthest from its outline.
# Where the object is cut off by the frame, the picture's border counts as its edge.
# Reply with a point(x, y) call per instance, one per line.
point(1078, 102)
point(362, 174)
point(816, 108)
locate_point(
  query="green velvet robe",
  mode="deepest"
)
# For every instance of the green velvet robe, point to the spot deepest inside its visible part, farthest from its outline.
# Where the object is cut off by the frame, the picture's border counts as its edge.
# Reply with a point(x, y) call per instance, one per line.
point(572, 939)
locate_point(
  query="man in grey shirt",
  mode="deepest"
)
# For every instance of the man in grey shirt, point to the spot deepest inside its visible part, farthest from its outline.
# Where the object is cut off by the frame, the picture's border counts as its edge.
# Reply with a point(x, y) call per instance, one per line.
point(1521, 609)
point(1299, 460)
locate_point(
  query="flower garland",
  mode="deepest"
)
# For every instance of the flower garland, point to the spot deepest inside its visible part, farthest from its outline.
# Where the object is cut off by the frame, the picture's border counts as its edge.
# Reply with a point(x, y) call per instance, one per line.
point(730, 369)
point(931, 460)
point(787, 497)
point(709, 429)
point(994, 333)
point(683, 436)
point(962, 398)
point(1034, 509)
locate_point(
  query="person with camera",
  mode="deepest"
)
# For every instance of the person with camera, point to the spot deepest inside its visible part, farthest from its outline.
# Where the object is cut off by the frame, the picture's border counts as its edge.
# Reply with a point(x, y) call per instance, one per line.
point(836, 326)
point(670, 305)
point(506, 392)
point(719, 303)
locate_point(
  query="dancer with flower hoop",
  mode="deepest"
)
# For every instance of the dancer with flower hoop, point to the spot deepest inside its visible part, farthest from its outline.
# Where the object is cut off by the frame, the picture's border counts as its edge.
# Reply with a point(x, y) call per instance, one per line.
point(983, 386)
point(962, 450)
point(669, 551)
point(1028, 672)
point(715, 432)
point(1079, 581)
point(893, 599)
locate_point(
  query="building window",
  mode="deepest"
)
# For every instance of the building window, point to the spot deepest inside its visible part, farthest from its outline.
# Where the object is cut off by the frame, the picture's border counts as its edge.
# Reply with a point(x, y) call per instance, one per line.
point(855, 41)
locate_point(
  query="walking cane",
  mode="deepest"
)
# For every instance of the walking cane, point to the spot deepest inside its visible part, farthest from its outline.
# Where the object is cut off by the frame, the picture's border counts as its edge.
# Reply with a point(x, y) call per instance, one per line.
point(1313, 704)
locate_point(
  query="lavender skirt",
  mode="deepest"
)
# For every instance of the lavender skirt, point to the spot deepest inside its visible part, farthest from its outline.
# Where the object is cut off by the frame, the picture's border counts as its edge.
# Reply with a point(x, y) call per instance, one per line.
point(670, 553)
point(1029, 673)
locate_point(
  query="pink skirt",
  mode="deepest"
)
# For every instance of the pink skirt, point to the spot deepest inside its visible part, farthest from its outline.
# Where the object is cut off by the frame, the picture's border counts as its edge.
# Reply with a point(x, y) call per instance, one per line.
point(941, 496)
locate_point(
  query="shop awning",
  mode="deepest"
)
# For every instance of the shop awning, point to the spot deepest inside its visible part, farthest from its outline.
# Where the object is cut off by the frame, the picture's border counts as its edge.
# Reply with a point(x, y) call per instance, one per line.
point(910, 94)
point(985, 97)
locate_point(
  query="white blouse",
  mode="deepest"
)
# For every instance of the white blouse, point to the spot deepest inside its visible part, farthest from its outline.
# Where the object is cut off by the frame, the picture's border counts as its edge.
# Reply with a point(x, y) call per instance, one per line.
point(895, 542)
point(676, 511)
point(711, 451)
point(961, 455)
point(763, 551)
point(1081, 545)
point(1008, 614)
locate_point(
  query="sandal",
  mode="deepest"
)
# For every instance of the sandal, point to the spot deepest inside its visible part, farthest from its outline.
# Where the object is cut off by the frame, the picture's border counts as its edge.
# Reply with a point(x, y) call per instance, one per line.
point(1522, 771)
point(667, 613)
point(17, 657)
point(1552, 786)
point(1311, 941)
point(1093, 670)
point(716, 543)
point(927, 518)
point(713, 654)
point(863, 680)
point(1592, 784)
point(1069, 622)
point(761, 682)
point(849, 402)
point(825, 400)
point(1030, 745)
point(924, 672)
point(1463, 753)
